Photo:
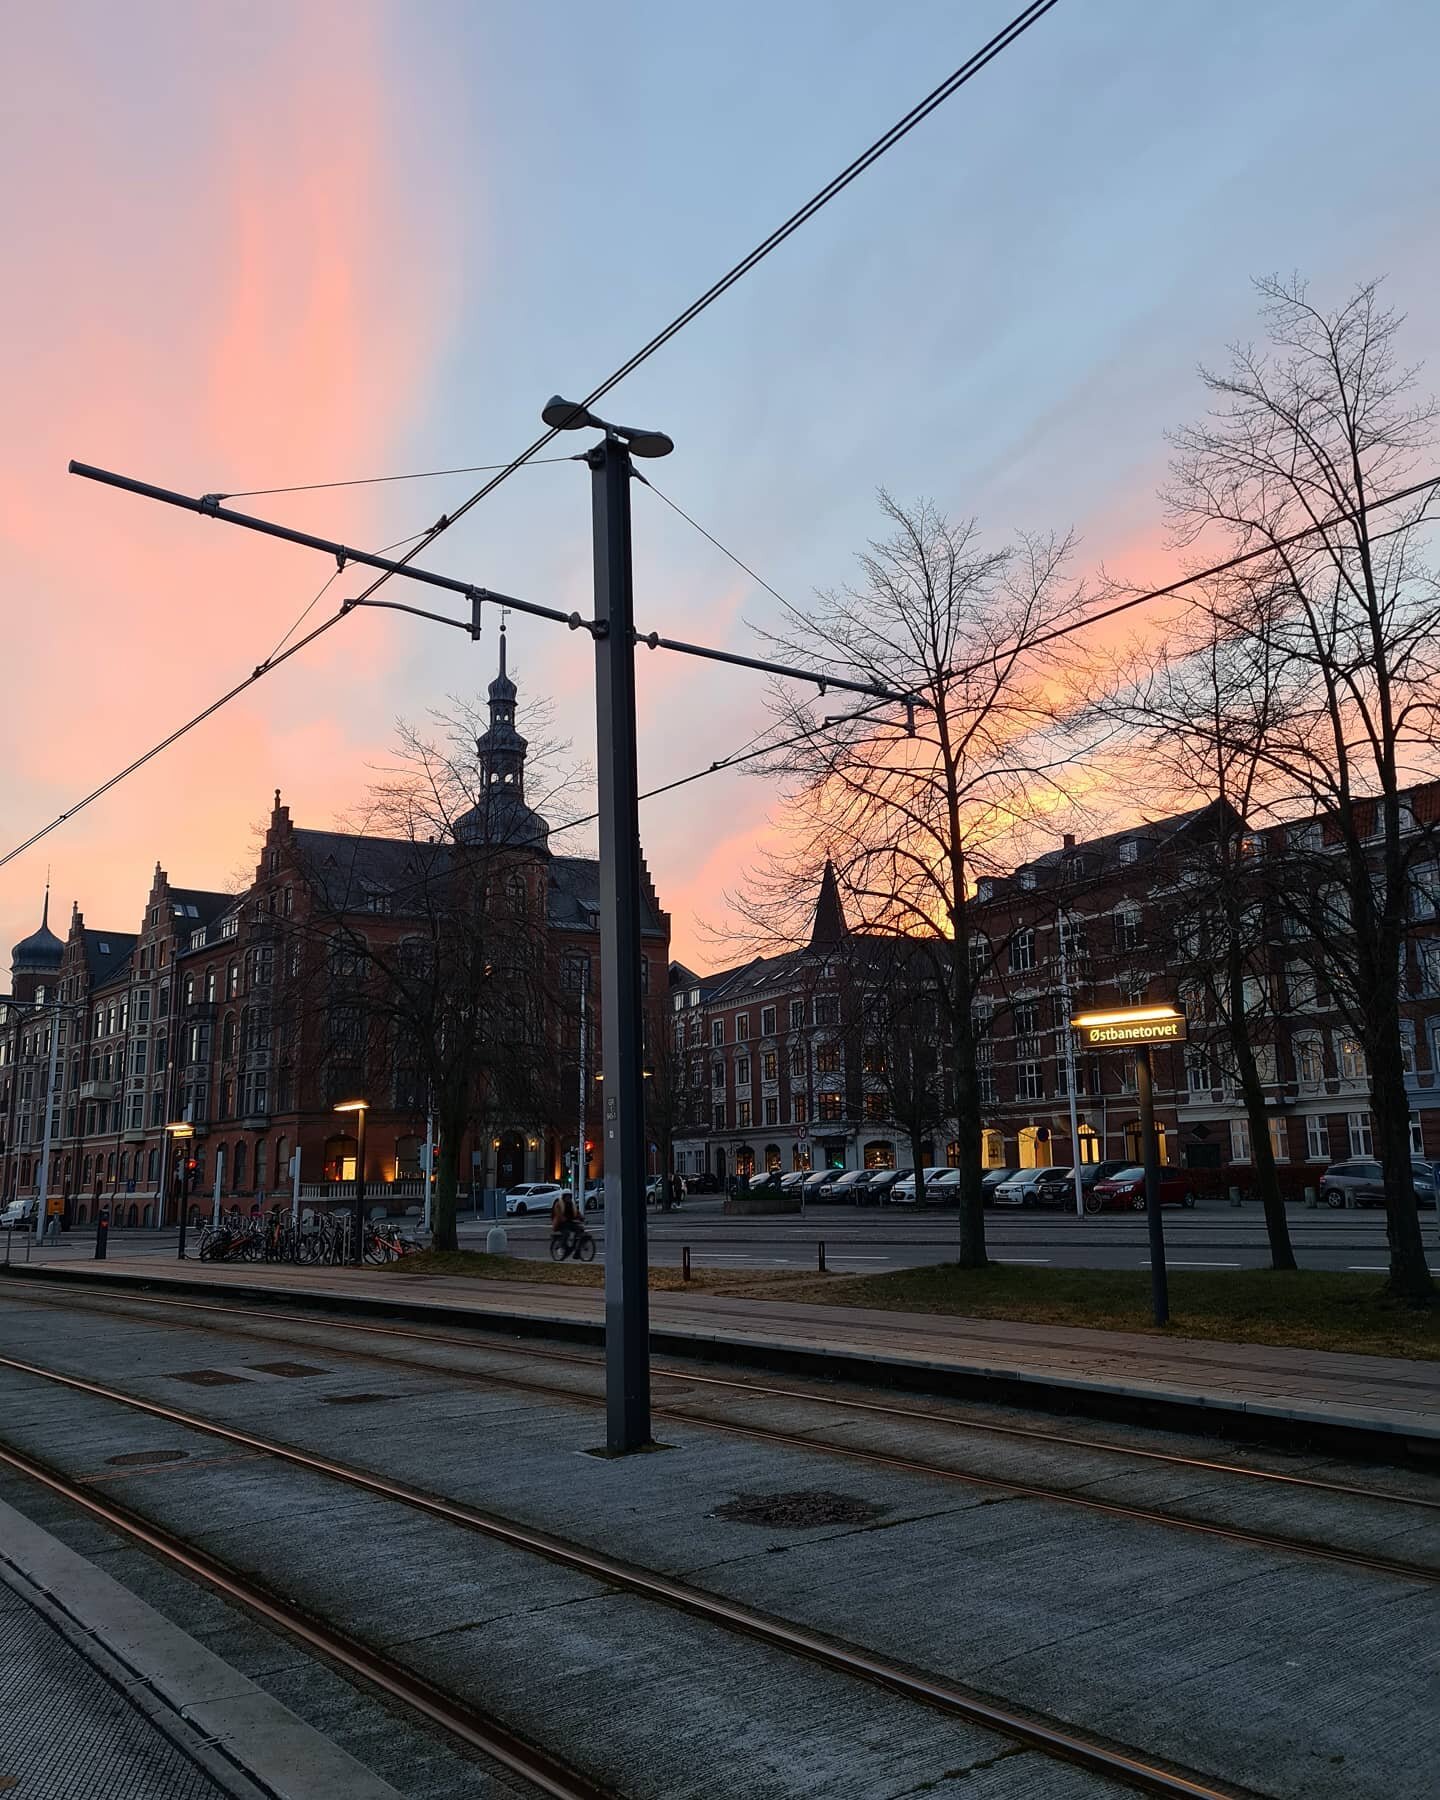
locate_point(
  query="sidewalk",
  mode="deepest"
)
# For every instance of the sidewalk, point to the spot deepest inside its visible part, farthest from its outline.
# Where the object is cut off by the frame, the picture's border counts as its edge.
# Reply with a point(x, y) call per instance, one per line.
point(1365, 1404)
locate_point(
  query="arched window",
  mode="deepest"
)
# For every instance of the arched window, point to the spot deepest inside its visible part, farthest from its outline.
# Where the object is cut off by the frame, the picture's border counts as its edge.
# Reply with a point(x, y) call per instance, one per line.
point(110, 1166)
point(992, 1151)
point(1089, 1144)
point(210, 987)
point(879, 1154)
point(282, 1160)
point(227, 1037)
point(1037, 1147)
point(800, 1157)
point(89, 1169)
point(772, 1159)
point(187, 992)
point(152, 1166)
point(232, 980)
point(745, 1161)
point(262, 1168)
point(237, 1167)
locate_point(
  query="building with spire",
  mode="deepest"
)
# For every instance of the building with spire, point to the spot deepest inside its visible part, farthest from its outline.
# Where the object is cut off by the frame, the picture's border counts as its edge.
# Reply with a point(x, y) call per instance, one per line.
point(242, 1013)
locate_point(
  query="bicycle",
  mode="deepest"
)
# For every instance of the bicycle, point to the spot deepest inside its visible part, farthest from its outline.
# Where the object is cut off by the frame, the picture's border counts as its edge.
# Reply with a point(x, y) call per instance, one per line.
point(581, 1245)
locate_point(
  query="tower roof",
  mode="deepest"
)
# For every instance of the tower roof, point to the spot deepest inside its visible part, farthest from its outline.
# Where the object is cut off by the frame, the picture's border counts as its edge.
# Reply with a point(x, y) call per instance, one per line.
point(42, 949)
point(830, 926)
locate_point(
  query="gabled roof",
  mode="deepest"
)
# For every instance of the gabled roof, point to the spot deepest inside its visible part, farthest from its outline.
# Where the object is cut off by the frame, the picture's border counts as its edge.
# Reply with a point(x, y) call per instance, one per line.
point(349, 867)
point(573, 896)
point(106, 954)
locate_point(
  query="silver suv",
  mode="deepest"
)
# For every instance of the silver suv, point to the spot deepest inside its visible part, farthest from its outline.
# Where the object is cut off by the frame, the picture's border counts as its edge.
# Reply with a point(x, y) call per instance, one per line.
point(1361, 1182)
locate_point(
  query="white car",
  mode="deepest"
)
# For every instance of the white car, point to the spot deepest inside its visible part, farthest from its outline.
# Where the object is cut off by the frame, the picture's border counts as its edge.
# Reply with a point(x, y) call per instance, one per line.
point(903, 1192)
point(535, 1197)
point(1020, 1190)
point(19, 1215)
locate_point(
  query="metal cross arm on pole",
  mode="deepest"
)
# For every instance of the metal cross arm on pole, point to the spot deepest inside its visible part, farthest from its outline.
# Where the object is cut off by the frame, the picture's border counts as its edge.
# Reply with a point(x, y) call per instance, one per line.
point(208, 506)
point(653, 641)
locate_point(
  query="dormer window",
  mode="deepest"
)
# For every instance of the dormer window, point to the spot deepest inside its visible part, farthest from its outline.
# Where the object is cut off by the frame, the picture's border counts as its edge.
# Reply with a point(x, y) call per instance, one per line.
point(1129, 850)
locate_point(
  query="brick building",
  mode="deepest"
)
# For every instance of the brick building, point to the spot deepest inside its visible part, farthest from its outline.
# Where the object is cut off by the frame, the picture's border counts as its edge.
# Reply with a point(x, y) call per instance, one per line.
point(221, 1009)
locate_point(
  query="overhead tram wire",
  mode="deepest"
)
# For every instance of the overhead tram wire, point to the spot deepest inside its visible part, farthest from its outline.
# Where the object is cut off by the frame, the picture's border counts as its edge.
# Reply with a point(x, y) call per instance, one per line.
point(315, 487)
point(971, 67)
point(745, 754)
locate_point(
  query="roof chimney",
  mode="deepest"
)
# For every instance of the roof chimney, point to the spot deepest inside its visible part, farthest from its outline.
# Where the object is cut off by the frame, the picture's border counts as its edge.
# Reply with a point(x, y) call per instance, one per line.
point(1069, 840)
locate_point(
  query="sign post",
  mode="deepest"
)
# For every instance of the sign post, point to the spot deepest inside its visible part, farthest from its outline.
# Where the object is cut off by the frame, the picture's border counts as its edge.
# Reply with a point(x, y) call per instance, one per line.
point(1137, 1028)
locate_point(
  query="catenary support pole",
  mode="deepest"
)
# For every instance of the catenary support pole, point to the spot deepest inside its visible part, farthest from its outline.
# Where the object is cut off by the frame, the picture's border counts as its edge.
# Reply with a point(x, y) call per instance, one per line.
point(357, 1253)
point(1159, 1285)
point(582, 1164)
point(219, 1172)
point(295, 1187)
point(627, 1299)
point(42, 1200)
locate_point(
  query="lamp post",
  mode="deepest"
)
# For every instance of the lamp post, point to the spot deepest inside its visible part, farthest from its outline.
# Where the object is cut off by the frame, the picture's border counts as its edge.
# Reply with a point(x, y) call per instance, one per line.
point(181, 1133)
point(359, 1108)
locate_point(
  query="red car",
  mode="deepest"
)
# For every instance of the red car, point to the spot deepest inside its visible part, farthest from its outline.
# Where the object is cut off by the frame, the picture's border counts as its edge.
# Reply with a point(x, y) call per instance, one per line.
point(1125, 1191)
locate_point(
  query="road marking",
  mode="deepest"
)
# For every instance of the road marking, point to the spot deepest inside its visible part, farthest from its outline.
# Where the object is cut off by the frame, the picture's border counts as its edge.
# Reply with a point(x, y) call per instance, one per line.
point(1175, 1263)
point(1020, 1259)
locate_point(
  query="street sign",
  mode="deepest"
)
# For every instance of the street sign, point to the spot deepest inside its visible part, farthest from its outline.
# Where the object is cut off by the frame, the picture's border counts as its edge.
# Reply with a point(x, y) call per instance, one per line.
point(1130, 1027)
point(803, 1134)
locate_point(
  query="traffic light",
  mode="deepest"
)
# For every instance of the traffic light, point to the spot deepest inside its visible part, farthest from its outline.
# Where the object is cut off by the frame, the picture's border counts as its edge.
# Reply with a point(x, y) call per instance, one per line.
point(191, 1166)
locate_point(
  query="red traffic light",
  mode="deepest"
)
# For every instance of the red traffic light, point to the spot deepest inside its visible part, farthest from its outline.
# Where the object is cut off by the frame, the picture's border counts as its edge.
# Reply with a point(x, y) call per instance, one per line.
point(589, 1145)
point(192, 1165)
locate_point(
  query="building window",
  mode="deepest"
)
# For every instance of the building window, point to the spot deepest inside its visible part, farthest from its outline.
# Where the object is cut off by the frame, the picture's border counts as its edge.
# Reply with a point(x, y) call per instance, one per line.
point(797, 1065)
point(718, 1078)
point(1022, 952)
point(1429, 955)
point(872, 1059)
point(827, 1009)
point(827, 1059)
point(829, 1108)
point(978, 947)
point(1030, 1082)
point(799, 1108)
point(985, 1087)
point(742, 1027)
point(575, 972)
point(772, 1111)
point(717, 1031)
point(1362, 1138)
point(1279, 1142)
point(742, 1071)
point(742, 1115)
point(1417, 1136)
point(1351, 1058)
point(1309, 1061)
point(769, 1066)
point(719, 1115)
point(767, 1021)
point(1317, 1138)
point(797, 1014)
point(875, 1110)
point(1129, 850)
point(210, 987)
point(1129, 926)
point(1240, 1140)
point(1200, 1070)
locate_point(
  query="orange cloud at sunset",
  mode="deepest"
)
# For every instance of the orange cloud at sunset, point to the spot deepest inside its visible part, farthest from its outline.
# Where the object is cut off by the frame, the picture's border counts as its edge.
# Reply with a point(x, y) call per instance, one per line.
point(212, 299)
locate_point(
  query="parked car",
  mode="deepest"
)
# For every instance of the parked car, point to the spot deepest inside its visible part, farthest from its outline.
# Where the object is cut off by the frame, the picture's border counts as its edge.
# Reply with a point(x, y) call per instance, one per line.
point(703, 1183)
point(19, 1215)
point(1057, 1186)
point(1361, 1182)
point(903, 1190)
point(794, 1181)
point(1021, 1189)
point(881, 1187)
point(534, 1197)
point(1125, 1190)
point(993, 1179)
point(821, 1182)
point(850, 1185)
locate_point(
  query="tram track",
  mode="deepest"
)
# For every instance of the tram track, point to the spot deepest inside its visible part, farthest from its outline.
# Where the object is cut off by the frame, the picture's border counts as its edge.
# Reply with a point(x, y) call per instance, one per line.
point(1274, 1542)
point(1034, 1731)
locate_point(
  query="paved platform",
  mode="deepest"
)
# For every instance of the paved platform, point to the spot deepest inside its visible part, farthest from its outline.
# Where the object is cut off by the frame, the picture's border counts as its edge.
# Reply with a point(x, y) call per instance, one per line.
point(1386, 1406)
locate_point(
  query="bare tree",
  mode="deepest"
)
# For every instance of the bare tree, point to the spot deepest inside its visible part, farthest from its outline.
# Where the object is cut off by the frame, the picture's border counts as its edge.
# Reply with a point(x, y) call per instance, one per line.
point(1310, 433)
point(912, 821)
point(1198, 715)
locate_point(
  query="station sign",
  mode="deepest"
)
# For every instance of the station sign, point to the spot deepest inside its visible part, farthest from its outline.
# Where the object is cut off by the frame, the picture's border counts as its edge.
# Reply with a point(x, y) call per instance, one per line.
point(1130, 1027)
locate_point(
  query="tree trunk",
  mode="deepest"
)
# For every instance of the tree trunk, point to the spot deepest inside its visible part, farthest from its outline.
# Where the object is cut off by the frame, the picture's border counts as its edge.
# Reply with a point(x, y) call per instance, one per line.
point(968, 1127)
point(446, 1203)
point(1410, 1277)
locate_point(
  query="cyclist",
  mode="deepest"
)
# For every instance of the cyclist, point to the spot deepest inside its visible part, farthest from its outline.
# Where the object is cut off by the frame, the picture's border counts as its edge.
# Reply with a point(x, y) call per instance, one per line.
point(565, 1222)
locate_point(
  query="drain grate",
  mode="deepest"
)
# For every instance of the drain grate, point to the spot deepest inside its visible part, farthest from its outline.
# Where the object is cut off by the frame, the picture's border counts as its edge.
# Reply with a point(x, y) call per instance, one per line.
point(802, 1509)
point(206, 1377)
point(354, 1399)
point(291, 1370)
point(139, 1459)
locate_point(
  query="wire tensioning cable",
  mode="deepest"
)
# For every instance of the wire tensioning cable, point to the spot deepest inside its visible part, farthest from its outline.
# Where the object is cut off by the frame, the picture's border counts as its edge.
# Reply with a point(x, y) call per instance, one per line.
point(315, 487)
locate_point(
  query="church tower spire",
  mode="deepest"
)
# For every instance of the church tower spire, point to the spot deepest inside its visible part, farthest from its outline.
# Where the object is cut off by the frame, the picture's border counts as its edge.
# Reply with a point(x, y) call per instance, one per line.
point(501, 749)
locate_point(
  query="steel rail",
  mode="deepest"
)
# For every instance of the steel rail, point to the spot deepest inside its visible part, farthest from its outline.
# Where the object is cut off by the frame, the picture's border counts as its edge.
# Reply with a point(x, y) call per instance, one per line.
point(766, 1434)
point(468, 1723)
point(762, 1390)
point(846, 1659)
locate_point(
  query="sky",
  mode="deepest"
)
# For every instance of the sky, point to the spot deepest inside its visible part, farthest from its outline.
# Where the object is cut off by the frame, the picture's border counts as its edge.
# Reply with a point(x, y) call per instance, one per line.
point(301, 243)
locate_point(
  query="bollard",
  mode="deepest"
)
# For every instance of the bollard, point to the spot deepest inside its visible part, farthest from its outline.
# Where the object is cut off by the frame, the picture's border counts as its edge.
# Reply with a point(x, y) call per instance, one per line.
point(820, 1255)
point(1234, 1196)
point(1312, 1199)
point(102, 1232)
point(685, 1263)
point(496, 1242)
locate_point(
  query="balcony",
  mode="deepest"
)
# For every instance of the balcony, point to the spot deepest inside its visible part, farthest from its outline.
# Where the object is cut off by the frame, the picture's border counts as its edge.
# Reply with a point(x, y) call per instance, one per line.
point(255, 1121)
point(100, 1090)
point(200, 1011)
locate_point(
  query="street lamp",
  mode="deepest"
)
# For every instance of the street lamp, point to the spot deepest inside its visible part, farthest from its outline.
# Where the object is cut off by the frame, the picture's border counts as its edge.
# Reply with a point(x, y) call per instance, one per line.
point(359, 1108)
point(181, 1133)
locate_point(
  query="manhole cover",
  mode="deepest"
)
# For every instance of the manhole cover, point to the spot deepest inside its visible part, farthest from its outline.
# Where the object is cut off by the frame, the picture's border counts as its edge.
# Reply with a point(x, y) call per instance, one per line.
point(292, 1370)
point(804, 1508)
point(353, 1399)
point(135, 1459)
point(206, 1377)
